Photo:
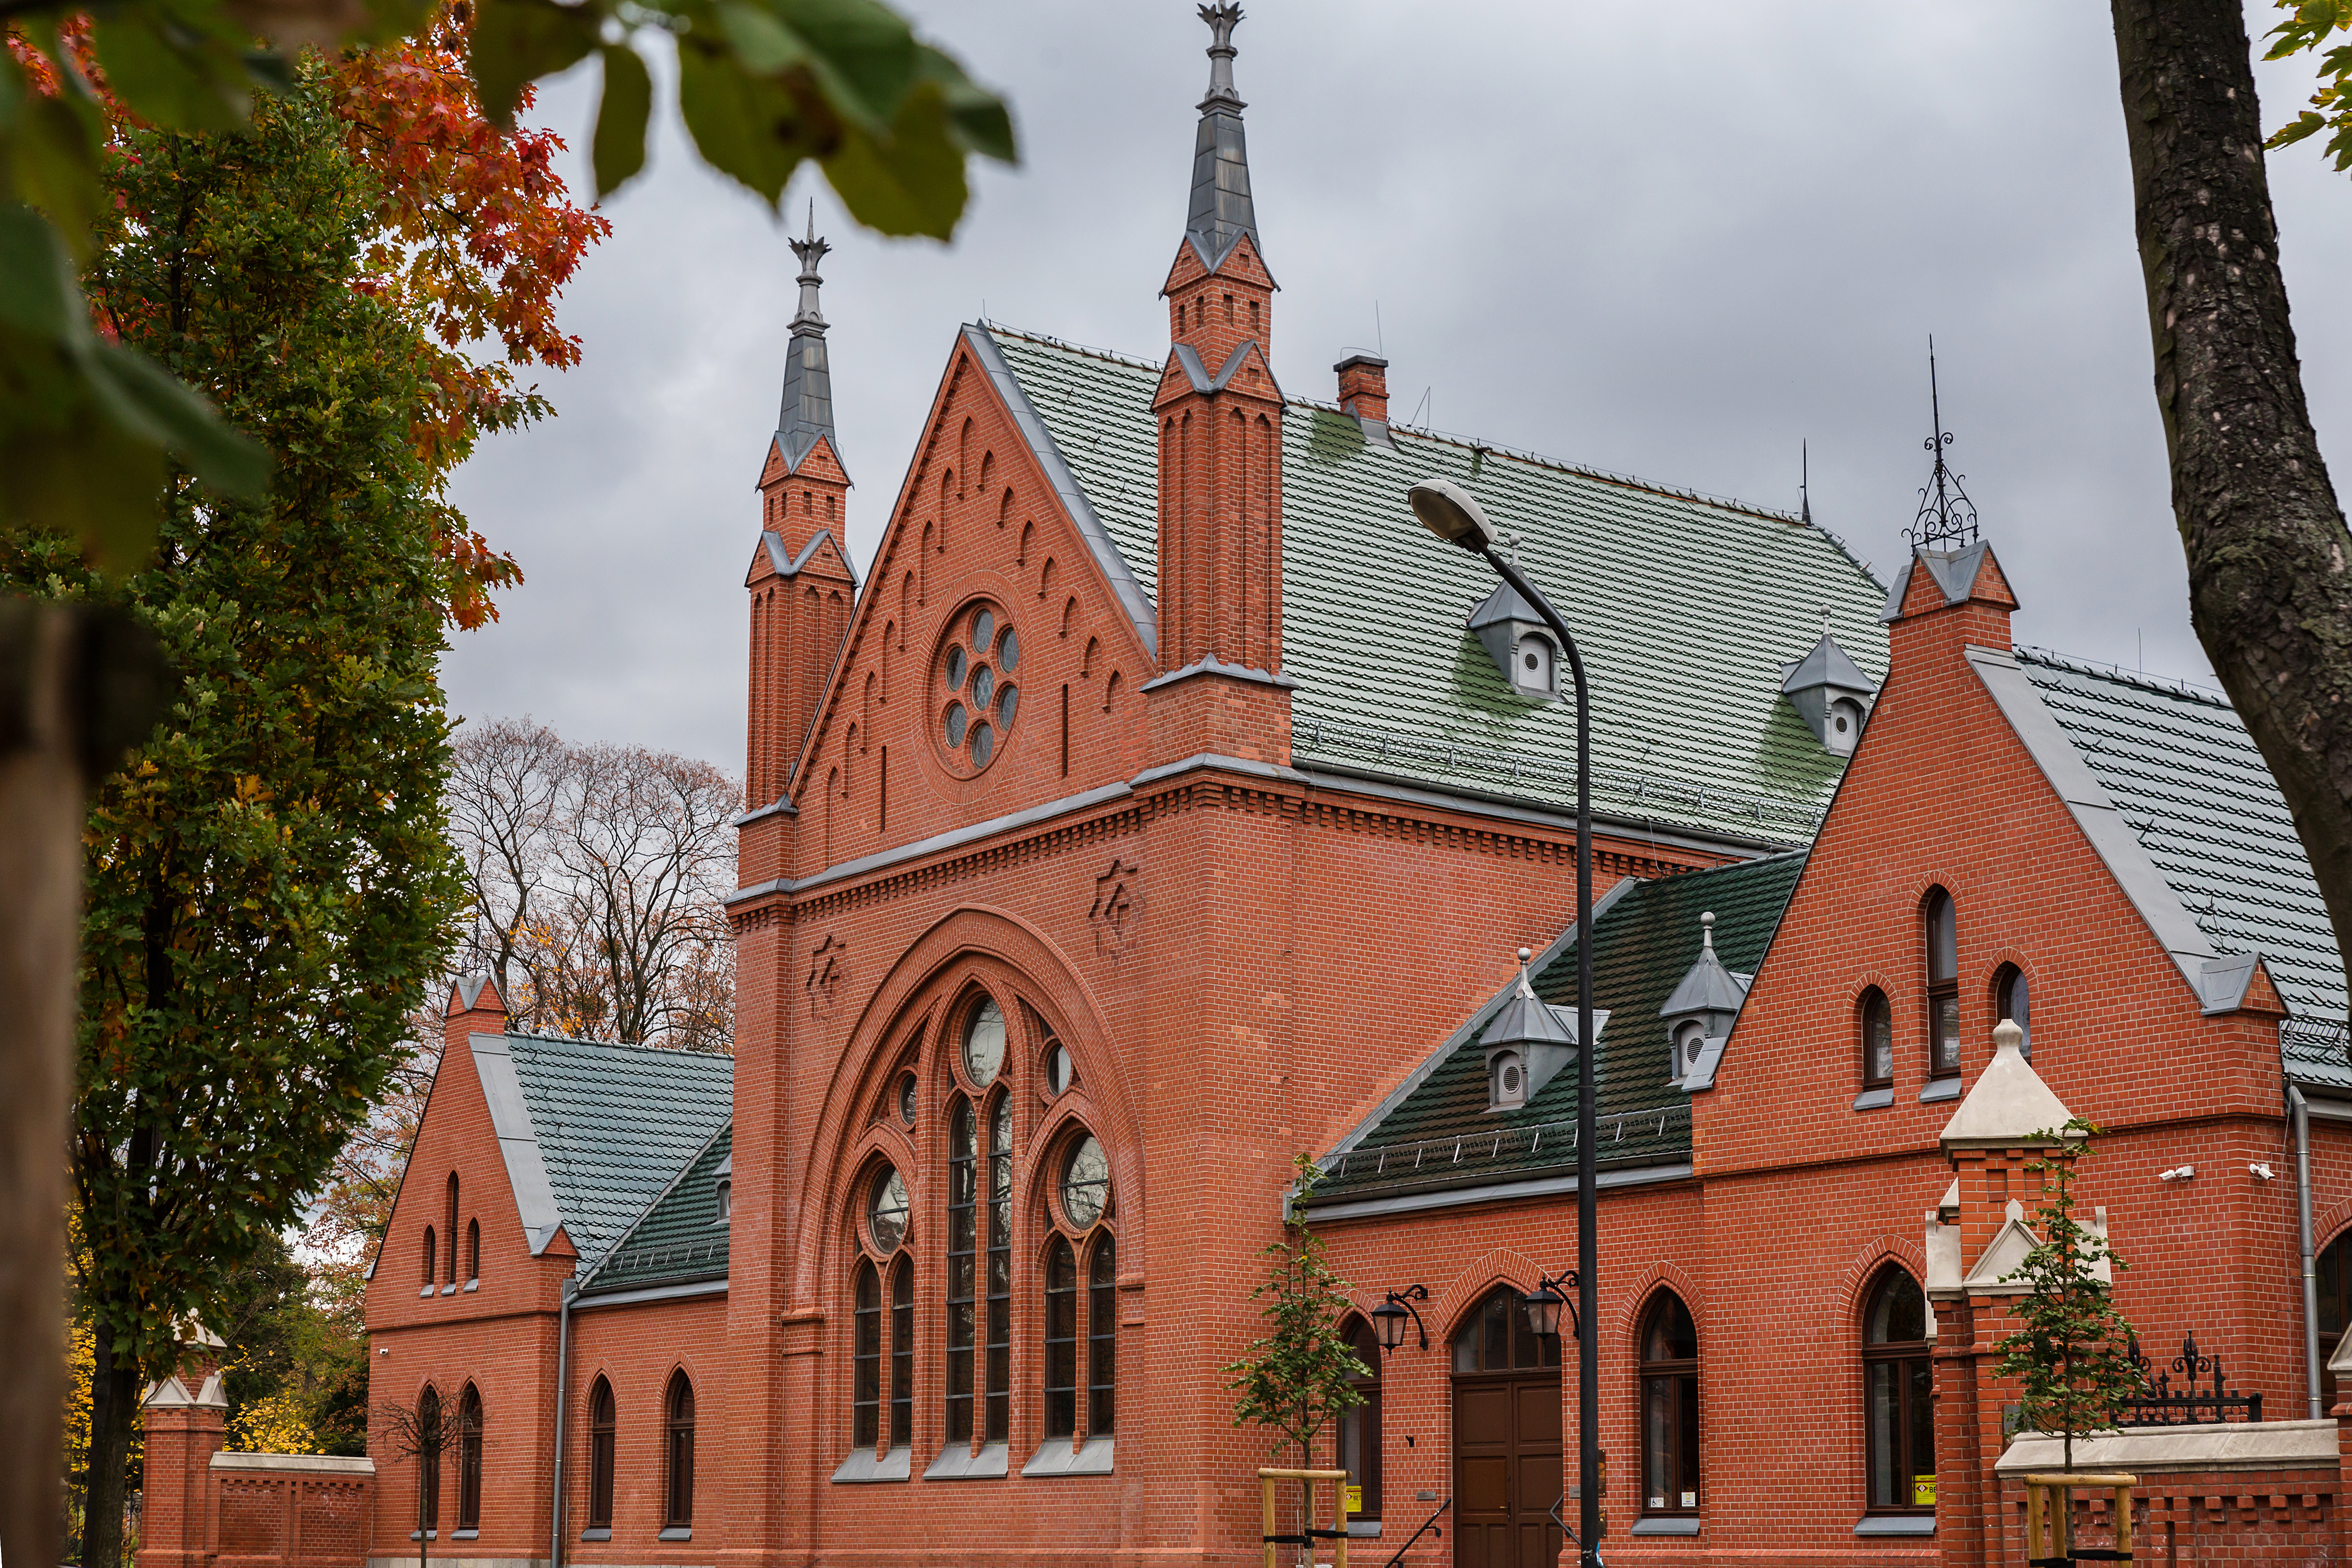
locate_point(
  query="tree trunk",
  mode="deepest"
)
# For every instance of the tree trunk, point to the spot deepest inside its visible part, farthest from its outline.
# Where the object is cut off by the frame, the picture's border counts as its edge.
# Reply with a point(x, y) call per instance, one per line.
point(114, 1391)
point(40, 867)
point(77, 685)
point(2269, 591)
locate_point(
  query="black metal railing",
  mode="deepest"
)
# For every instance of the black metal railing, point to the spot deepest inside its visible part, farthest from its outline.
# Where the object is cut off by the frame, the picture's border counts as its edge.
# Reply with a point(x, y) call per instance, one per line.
point(1427, 1526)
point(2195, 1402)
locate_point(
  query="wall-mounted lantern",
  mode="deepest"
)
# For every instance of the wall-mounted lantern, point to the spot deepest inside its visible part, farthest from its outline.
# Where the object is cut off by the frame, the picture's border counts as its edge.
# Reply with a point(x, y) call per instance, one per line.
point(1389, 1317)
point(1544, 1302)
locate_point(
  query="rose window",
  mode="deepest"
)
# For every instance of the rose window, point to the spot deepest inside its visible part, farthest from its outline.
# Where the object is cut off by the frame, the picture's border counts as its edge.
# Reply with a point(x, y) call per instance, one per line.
point(978, 697)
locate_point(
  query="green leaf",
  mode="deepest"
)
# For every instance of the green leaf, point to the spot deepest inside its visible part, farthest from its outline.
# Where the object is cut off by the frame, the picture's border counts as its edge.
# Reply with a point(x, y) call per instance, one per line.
point(763, 44)
point(750, 127)
point(36, 284)
point(912, 183)
point(184, 421)
point(169, 74)
point(515, 42)
point(622, 112)
point(51, 162)
point(2294, 130)
point(864, 54)
point(979, 117)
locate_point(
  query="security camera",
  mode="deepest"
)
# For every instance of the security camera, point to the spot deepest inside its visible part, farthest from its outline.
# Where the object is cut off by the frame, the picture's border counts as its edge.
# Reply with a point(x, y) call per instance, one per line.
point(2178, 1173)
point(2264, 1171)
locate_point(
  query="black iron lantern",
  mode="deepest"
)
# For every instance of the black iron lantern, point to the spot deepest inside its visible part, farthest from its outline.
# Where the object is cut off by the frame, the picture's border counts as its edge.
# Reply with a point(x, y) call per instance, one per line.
point(1543, 1305)
point(1389, 1318)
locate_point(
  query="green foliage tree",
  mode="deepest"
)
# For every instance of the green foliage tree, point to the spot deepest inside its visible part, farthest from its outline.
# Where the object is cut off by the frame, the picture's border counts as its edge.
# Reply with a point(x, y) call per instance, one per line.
point(268, 880)
point(1295, 1379)
point(2071, 1354)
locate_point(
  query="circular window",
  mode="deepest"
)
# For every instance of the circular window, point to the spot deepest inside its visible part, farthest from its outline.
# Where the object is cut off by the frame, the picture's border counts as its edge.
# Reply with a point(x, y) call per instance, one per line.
point(885, 1210)
point(1086, 1184)
point(976, 696)
point(1060, 1072)
point(984, 1043)
point(906, 1099)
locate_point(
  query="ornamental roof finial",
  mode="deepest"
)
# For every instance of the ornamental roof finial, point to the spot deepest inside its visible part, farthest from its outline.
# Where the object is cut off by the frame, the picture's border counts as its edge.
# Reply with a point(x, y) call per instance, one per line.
point(1220, 212)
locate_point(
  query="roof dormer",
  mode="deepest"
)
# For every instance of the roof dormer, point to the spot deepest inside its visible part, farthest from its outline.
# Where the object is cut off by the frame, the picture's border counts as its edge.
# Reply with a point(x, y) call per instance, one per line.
point(1519, 643)
point(1830, 694)
point(1701, 1011)
point(1527, 1042)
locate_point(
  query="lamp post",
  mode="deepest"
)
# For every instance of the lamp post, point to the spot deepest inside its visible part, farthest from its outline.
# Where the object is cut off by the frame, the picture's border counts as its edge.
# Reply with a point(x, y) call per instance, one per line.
point(1450, 512)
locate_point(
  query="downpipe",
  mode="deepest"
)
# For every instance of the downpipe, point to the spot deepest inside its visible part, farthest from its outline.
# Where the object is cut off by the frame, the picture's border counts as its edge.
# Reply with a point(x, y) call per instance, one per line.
point(563, 1404)
point(2299, 1112)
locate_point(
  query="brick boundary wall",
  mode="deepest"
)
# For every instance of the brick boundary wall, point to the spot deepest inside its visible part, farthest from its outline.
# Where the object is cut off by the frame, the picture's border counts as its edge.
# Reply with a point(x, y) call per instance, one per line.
point(268, 1510)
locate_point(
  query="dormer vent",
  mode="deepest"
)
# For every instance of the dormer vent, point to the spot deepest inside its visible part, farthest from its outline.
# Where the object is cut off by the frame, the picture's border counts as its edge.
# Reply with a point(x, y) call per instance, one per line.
point(1519, 643)
point(1526, 1045)
point(1703, 1007)
point(1829, 694)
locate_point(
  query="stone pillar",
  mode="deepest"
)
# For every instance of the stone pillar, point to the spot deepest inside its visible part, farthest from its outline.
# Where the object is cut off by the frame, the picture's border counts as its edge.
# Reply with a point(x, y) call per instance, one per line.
point(1967, 1507)
point(185, 1418)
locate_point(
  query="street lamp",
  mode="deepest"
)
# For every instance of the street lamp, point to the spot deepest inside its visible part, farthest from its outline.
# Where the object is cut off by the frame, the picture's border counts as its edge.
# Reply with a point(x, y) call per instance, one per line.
point(1389, 1317)
point(1543, 1303)
point(1451, 513)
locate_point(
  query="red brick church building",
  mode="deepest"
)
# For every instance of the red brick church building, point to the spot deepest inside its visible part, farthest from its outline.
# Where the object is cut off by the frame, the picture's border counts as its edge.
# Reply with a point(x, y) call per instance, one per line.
point(1161, 802)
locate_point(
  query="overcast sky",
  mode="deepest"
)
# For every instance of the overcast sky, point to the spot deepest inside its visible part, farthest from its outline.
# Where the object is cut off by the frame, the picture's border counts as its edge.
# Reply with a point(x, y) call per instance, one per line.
point(1671, 241)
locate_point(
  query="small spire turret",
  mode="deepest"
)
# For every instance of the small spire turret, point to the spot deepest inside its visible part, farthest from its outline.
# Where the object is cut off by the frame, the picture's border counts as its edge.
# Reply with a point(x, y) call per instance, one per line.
point(1220, 211)
point(806, 416)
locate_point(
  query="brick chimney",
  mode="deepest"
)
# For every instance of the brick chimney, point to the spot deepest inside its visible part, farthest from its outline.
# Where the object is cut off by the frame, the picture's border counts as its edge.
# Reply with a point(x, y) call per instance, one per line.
point(1364, 386)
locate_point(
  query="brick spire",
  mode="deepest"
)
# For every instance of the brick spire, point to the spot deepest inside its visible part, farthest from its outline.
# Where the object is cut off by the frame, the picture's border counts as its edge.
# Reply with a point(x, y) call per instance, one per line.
point(1220, 211)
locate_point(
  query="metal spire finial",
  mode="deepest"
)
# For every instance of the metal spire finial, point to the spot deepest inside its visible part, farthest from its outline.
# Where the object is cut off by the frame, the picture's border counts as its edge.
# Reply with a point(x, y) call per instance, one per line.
point(1948, 519)
point(1221, 20)
point(807, 411)
point(1804, 481)
point(1526, 987)
point(1220, 211)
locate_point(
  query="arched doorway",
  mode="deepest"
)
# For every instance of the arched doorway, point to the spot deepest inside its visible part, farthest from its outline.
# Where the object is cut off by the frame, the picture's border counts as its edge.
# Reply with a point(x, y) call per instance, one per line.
point(1507, 1439)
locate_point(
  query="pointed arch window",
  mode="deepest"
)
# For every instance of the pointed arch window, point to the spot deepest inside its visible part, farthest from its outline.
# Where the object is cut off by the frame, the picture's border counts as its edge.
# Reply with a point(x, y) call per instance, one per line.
point(601, 1424)
point(1498, 1339)
point(1898, 1382)
point(1877, 1024)
point(902, 1354)
point(473, 1253)
point(451, 1230)
point(432, 1266)
point(428, 1462)
point(469, 1459)
point(678, 1489)
point(865, 1358)
point(1941, 932)
point(2012, 1002)
point(1061, 1339)
point(1102, 1336)
point(1669, 1374)
point(999, 1413)
point(963, 1210)
point(1360, 1428)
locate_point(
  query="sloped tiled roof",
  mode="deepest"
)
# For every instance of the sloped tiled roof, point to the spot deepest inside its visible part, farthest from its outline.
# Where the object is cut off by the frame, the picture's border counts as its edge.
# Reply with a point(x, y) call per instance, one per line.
point(2197, 794)
point(1438, 1133)
point(1687, 611)
point(613, 1125)
point(677, 1239)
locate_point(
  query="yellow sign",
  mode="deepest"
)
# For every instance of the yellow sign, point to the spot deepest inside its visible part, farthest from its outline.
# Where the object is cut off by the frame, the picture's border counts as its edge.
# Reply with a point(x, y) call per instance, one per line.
point(1356, 1498)
point(1923, 1491)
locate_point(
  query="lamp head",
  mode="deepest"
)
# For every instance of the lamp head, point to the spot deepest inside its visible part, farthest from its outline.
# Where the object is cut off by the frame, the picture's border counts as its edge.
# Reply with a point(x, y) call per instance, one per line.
point(1452, 514)
point(1543, 1305)
point(1388, 1322)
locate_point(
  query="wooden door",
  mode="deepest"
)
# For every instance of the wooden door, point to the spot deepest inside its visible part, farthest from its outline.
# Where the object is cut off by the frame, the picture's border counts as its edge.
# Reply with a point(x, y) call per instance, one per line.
point(1506, 1442)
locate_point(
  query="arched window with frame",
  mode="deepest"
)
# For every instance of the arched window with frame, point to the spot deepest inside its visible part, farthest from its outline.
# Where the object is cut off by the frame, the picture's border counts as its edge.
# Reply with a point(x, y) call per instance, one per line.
point(428, 1462)
point(1898, 1380)
point(1876, 1020)
point(1061, 1339)
point(2334, 1267)
point(1102, 1336)
point(1359, 1426)
point(999, 1422)
point(1669, 1374)
point(962, 1270)
point(432, 1262)
point(902, 1354)
point(677, 1469)
point(470, 1459)
point(451, 1230)
point(601, 1424)
point(473, 1252)
point(865, 1358)
point(1940, 932)
point(2012, 1002)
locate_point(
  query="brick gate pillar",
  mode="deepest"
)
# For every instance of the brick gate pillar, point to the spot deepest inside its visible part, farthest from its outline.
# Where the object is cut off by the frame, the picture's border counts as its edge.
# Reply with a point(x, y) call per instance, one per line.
point(185, 1420)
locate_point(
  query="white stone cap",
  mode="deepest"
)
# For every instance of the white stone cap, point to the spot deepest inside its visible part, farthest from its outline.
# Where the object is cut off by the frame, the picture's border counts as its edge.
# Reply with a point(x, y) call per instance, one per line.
point(2340, 1362)
point(313, 1464)
point(2220, 1446)
point(172, 1393)
point(2009, 1103)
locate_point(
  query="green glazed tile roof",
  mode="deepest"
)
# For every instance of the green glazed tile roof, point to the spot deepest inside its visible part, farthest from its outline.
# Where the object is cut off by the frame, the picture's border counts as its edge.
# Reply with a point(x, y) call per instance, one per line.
point(1437, 1132)
point(614, 1124)
point(680, 1238)
point(1685, 608)
point(2197, 794)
